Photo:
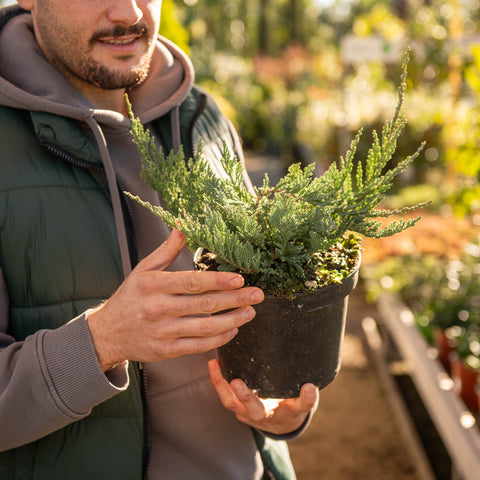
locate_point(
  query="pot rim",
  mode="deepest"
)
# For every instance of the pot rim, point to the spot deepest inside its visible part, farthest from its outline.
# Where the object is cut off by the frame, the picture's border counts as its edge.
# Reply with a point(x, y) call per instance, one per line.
point(348, 283)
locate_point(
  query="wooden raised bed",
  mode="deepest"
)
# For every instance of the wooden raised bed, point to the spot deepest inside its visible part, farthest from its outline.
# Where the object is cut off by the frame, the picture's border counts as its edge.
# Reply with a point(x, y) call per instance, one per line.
point(456, 425)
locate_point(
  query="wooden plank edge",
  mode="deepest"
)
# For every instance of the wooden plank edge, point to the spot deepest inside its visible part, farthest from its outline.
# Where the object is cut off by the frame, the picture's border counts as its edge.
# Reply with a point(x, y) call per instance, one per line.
point(402, 417)
point(455, 423)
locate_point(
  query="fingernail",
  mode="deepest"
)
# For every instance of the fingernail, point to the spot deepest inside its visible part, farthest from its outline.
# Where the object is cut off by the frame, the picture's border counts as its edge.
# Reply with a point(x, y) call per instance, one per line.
point(236, 282)
point(239, 388)
point(250, 313)
point(233, 332)
point(310, 391)
point(257, 296)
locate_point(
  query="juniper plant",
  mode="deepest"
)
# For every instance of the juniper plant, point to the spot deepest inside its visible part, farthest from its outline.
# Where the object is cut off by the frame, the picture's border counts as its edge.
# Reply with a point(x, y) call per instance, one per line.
point(298, 235)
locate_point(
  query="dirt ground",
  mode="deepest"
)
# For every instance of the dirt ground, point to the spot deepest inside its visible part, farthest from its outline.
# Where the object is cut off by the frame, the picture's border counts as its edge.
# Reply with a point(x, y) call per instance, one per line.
point(353, 435)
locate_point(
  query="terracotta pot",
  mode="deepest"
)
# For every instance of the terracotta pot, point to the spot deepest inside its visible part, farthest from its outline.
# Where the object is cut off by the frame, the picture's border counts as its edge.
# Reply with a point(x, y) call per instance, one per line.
point(477, 391)
point(444, 347)
point(465, 381)
point(290, 342)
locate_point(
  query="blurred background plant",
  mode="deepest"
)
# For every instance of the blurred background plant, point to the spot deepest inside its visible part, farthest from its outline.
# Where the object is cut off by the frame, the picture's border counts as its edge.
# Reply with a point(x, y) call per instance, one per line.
point(299, 77)
point(440, 283)
point(463, 154)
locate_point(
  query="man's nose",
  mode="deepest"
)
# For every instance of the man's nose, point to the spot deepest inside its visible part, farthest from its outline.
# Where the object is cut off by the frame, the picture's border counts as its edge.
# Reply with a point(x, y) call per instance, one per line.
point(125, 12)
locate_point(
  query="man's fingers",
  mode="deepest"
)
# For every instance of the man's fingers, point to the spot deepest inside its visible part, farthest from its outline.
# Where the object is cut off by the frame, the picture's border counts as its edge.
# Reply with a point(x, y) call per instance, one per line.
point(254, 409)
point(278, 417)
point(193, 282)
point(224, 391)
point(236, 396)
point(165, 254)
point(304, 403)
point(163, 305)
point(308, 398)
point(187, 346)
point(208, 326)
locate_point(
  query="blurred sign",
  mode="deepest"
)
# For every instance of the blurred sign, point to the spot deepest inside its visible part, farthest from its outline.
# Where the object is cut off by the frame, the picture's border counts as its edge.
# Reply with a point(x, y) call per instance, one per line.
point(356, 49)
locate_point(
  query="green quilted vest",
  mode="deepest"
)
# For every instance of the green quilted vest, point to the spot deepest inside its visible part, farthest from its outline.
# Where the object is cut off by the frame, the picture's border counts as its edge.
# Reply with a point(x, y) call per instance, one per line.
point(59, 254)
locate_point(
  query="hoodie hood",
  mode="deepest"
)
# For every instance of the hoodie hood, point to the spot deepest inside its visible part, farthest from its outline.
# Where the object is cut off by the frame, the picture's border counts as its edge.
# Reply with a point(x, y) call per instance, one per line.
point(28, 81)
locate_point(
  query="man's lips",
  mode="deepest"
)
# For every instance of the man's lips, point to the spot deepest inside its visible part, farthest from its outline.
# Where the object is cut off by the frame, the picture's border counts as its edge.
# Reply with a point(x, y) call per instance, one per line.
point(121, 44)
point(124, 40)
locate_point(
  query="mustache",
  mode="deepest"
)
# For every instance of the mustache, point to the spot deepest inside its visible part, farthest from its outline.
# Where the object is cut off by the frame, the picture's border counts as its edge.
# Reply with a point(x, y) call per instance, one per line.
point(119, 31)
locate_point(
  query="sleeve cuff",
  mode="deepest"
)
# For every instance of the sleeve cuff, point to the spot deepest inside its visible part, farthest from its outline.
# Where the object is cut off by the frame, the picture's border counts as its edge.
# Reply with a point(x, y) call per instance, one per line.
point(70, 364)
point(292, 435)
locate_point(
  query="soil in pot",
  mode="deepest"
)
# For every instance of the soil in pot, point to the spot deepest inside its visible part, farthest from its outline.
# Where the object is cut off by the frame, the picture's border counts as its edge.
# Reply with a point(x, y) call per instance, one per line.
point(290, 342)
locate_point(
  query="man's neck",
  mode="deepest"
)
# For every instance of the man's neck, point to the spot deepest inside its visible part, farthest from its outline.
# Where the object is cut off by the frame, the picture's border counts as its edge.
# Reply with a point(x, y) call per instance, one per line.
point(105, 99)
point(109, 100)
point(101, 98)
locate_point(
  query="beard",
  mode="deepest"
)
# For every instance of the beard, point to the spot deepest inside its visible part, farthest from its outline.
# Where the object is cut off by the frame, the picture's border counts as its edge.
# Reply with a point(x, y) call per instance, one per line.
point(77, 63)
point(108, 79)
point(99, 75)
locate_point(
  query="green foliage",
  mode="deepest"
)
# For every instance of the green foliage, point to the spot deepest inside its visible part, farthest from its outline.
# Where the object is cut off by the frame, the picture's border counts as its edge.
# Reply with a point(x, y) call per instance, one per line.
point(287, 237)
point(442, 294)
point(171, 27)
point(465, 154)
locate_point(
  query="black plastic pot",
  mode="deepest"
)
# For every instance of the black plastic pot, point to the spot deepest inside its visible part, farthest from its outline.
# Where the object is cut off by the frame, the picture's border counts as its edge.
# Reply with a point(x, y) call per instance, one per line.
point(290, 342)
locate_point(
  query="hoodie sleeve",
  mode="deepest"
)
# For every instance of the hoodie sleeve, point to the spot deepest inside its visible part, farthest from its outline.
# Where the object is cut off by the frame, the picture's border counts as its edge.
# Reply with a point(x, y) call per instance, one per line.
point(49, 380)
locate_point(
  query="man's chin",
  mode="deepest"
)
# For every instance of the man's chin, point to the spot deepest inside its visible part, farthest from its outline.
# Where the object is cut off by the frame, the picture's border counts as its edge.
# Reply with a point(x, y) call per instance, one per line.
point(118, 79)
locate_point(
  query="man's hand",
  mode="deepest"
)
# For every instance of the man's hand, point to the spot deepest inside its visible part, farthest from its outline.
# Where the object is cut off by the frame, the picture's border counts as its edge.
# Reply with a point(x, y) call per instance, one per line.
point(155, 315)
point(278, 417)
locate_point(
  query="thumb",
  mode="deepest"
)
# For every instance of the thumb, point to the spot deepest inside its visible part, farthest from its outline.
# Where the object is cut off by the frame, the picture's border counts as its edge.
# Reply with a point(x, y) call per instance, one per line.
point(165, 254)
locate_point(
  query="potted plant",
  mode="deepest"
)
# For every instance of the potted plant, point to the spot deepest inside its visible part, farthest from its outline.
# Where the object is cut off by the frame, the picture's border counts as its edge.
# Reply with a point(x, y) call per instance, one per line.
point(465, 360)
point(298, 240)
point(454, 309)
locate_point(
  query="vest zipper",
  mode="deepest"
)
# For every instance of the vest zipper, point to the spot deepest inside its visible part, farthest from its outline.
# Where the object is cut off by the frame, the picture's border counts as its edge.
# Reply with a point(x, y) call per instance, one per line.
point(147, 434)
point(147, 431)
point(66, 157)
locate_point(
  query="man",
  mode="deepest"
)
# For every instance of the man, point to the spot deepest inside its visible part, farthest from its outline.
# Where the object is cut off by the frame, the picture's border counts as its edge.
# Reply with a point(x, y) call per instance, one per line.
point(115, 389)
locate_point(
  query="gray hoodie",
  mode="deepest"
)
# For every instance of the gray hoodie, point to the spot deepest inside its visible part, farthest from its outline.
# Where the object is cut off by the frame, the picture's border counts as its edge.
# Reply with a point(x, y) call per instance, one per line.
point(53, 377)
